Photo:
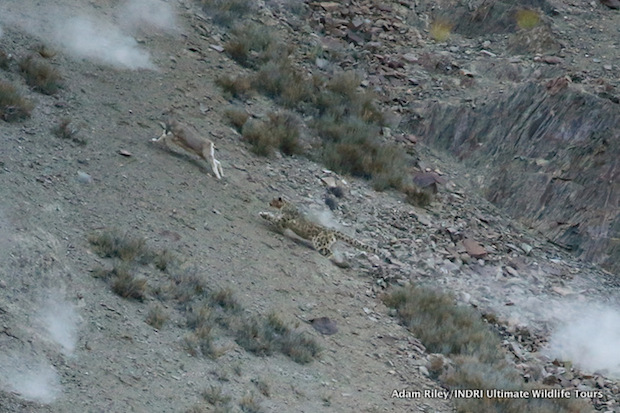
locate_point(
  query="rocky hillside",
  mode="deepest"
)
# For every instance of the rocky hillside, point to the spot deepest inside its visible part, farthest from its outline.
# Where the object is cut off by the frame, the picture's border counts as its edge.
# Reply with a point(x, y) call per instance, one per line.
point(474, 144)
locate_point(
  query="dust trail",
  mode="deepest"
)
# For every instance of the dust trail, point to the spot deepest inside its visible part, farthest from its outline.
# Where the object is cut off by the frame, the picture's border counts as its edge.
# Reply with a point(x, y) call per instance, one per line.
point(589, 338)
point(98, 40)
point(60, 321)
point(31, 379)
point(147, 15)
point(94, 35)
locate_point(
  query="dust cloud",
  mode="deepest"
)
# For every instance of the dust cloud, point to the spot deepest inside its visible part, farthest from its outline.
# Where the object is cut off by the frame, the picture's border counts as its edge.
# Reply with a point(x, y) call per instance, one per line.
point(31, 379)
point(60, 321)
point(589, 339)
point(98, 40)
point(94, 35)
point(147, 15)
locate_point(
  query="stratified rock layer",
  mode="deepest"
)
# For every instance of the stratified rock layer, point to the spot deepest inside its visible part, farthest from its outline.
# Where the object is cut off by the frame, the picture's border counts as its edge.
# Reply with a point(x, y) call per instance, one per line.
point(552, 156)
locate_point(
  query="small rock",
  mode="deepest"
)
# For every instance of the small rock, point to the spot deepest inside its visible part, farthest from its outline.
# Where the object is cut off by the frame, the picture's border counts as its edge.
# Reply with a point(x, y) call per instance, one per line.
point(324, 325)
point(84, 178)
point(217, 48)
point(552, 60)
point(410, 58)
point(526, 248)
point(474, 249)
point(330, 6)
point(124, 152)
point(563, 291)
point(612, 4)
point(321, 63)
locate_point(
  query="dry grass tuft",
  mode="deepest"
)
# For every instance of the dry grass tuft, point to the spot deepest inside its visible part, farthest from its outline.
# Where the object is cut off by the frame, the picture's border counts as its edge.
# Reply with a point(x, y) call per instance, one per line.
point(13, 107)
point(440, 30)
point(40, 76)
point(225, 299)
point(262, 386)
point(479, 363)
point(214, 396)
point(417, 197)
point(351, 146)
point(265, 336)
point(253, 44)
point(123, 282)
point(250, 404)
point(112, 243)
point(67, 129)
point(280, 131)
point(187, 285)
point(280, 81)
point(443, 326)
point(237, 117)
point(157, 316)
point(4, 60)
point(45, 51)
point(238, 87)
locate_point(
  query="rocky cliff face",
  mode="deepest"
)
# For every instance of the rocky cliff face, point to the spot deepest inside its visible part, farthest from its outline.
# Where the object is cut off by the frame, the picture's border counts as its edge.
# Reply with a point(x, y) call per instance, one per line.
point(552, 156)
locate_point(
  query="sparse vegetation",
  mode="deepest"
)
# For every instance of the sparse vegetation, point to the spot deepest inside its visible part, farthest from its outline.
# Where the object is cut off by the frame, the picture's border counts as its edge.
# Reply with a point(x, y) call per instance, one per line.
point(198, 316)
point(351, 146)
point(237, 117)
point(250, 404)
point(459, 332)
point(264, 336)
point(4, 60)
point(280, 81)
point(67, 129)
point(206, 310)
point(157, 316)
point(280, 130)
point(112, 243)
point(443, 326)
point(226, 12)
point(186, 285)
point(284, 128)
point(262, 386)
point(236, 86)
point(225, 299)
point(39, 75)
point(345, 116)
point(416, 196)
point(214, 396)
point(253, 44)
point(123, 282)
point(164, 260)
point(45, 51)
point(440, 30)
point(13, 106)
